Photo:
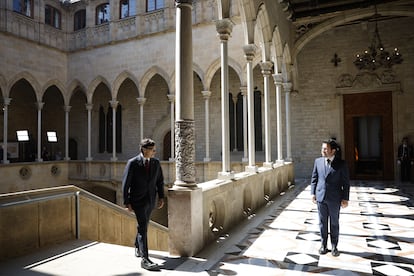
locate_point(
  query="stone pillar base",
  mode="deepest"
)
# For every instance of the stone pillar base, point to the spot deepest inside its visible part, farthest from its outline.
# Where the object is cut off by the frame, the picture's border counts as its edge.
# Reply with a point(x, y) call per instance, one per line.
point(185, 221)
point(251, 169)
point(268, 164)
point(225, 175)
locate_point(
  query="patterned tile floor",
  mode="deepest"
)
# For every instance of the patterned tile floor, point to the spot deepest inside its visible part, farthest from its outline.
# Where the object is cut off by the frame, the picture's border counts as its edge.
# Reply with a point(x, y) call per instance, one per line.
point(376, 237)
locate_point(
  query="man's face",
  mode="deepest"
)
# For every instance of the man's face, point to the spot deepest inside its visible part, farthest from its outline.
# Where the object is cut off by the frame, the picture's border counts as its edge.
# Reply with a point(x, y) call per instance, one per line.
point(327, 151)
point(149, 152)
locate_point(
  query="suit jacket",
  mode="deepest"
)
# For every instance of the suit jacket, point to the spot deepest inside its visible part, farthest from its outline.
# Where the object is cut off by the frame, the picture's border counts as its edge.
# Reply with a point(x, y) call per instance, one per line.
point(140, 187)
point(332, 184)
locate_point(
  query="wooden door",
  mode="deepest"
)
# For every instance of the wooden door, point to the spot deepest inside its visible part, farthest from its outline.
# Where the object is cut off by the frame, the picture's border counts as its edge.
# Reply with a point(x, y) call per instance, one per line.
point(369, 135)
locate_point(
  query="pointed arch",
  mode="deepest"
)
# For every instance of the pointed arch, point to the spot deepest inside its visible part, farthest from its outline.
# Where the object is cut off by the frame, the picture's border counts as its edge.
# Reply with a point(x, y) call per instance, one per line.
point(30, 79)
point(72, 88)
point(215, 66)
point(93, 85)
point(3, 84)
point(59, 86)
point(148, 76)
point(120, 79)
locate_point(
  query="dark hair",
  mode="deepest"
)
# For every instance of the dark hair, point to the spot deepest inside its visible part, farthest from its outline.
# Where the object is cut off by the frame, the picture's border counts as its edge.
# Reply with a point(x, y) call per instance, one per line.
point(334, 146)
point(147, 143)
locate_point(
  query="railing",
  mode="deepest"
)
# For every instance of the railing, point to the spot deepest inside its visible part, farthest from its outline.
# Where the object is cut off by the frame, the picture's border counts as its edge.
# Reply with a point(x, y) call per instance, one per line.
point(34, 219)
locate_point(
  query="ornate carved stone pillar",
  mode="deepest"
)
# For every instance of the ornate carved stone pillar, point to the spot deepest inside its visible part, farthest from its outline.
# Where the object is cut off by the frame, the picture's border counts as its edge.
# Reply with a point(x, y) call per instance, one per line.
point(287, 87)
point(249, 52)
point(206, 96)
point(224, 28)
point(141, 102)
point(278, 83)
point(267, 71)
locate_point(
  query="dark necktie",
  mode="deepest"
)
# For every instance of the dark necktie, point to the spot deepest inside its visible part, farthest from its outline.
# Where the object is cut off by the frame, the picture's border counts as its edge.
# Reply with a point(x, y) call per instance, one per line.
point(147, 165)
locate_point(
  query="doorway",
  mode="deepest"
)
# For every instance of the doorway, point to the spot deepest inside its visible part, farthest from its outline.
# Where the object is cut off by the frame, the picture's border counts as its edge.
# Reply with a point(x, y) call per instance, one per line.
point(369, 135)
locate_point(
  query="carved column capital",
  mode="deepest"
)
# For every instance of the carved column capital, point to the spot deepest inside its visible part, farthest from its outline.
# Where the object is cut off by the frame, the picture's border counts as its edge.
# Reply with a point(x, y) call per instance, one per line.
point(141, 100)
point(266, 67)
point(89, 107)
point(206, 94)
point(67, 108)
point(171, 98)
point(287, 87)
point(40, 105)
point(243, 90)
point(277, 78)
point(249, 51)
point(224, 28)
point(114, 103)
point(6, 101)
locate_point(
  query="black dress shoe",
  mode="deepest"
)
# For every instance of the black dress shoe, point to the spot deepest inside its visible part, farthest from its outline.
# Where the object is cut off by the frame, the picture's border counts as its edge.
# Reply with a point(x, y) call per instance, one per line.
point(335, 252)
point(323, 250)
point(149, 265)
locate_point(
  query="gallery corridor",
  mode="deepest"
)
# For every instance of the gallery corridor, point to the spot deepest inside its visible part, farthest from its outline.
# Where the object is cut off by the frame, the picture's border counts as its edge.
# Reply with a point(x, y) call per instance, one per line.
point(377, 238)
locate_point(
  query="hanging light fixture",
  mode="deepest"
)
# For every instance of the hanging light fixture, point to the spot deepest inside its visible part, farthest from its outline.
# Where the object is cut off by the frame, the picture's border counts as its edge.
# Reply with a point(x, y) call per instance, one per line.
point(376, 56)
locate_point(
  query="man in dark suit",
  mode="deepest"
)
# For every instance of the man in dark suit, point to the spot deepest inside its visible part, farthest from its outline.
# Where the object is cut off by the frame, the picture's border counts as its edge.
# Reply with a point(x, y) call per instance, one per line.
point(142, 181)
point(330, 191)
point(405, 159)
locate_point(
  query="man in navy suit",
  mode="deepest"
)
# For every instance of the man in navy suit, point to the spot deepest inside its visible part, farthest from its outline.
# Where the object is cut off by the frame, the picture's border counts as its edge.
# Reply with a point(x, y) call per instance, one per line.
point(330, 191)
point(142, 181)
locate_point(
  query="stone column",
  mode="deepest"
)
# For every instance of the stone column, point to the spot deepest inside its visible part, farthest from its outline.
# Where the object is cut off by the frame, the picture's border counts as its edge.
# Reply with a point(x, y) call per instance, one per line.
point(114, 105)
point(278, 83)
point(171, 99)
point(224, 28)
point(89, 108)
point(67, 110)
point(39, 106)
point(185, 199)
point(243, 90)
point(249, 51)
point(235, 121)
point(287, 86)
point(267, 71)
point(5, 129)
point(206, 96)
point(141, 102)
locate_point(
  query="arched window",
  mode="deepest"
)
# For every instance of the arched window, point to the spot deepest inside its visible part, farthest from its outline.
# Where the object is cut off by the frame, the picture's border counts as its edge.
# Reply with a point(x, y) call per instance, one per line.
point(153, 5)
point(103, 14)
point(52, 17)
point(79, 20)
point(24, 7)
point(127, 8)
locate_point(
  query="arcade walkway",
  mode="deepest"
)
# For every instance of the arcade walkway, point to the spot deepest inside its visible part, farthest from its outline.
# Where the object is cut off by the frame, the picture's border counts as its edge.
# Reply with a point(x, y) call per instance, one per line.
point(377, 238)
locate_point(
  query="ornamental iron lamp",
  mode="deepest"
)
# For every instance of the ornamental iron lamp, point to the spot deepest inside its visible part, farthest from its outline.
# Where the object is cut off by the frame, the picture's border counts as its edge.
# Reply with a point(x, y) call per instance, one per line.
point(376, 56)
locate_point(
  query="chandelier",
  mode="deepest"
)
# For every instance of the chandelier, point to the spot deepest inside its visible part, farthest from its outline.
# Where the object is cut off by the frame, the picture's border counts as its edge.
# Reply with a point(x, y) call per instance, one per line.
point(376, 56)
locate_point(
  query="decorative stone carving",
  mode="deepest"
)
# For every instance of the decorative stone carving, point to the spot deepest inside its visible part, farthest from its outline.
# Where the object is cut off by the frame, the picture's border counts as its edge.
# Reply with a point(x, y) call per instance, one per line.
point(25, 173)
point(345, 80)
point(388, 76)
point(55, 170)
point(185, 152)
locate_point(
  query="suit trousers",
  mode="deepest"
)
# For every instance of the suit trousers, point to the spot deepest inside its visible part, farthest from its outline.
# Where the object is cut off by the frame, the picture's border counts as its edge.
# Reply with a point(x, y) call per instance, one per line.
point(143, 215)
point(328, 212)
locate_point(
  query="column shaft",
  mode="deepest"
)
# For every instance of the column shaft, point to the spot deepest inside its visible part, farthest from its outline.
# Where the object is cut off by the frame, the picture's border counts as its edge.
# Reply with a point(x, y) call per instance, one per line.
point(114, 105)
point(278, 82)
point(89, 108)
point(39, 131)
point(5, 129)
point(266, 71)
point(67, 110)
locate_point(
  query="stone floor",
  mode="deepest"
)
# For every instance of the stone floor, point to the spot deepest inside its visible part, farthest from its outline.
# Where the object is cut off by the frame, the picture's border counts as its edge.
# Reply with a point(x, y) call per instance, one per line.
point(377, 238)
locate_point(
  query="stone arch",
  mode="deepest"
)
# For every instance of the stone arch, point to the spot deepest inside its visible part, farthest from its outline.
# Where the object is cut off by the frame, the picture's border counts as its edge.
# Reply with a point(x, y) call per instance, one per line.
point(30, 79)
point(263, 32)
point(120, 79)
point(154, 70)
point(223, 7)
point(59, 86)
point(277, 50)
point(162, 128)
point(215, 65)
point(345, 18)
point(75, 84)
point(93, 85)
point(3, 84)
point(248, 19)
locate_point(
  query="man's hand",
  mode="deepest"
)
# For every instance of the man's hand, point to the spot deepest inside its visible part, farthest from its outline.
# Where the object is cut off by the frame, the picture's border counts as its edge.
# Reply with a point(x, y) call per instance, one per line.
point(344, 203)
point(314, 199)
point(129, 207)
point(160, 203)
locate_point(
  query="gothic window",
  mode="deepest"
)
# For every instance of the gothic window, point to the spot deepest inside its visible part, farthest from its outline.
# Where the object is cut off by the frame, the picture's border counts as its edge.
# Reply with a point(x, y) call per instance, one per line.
point(127, 8)
point(52, 17)
point(79, 20)
point(153, 5)
point(102, 14)
point(24, 7)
